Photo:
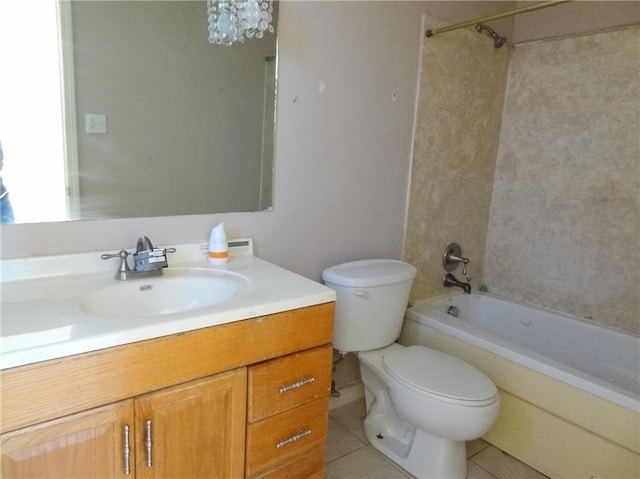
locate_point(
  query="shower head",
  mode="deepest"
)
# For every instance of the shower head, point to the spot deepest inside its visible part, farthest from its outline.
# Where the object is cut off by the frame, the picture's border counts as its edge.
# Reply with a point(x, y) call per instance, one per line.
point(498, 40)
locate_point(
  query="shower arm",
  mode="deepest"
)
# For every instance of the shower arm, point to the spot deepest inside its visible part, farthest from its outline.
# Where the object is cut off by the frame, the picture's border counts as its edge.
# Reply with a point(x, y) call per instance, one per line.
point(497, 16)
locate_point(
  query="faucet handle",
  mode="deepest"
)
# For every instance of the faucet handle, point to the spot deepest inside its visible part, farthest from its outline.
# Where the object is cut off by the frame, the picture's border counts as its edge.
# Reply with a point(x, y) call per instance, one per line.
point(123, 269)
point(464, 261)
point(122, 254)
point(456, 259)
point(452, 257)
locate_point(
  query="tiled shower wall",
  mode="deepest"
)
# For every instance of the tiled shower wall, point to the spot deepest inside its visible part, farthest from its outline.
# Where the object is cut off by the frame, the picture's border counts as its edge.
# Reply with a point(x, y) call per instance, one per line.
point(556, 221)
point(564, 227)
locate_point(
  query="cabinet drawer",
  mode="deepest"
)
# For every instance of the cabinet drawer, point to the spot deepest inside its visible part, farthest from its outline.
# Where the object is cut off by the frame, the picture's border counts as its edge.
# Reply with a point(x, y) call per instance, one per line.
point(307, 466)
point(279, 439)
point(284, 383)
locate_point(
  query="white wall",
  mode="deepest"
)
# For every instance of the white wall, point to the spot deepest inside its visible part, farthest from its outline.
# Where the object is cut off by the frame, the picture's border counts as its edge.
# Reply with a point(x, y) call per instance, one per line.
point(342, 156)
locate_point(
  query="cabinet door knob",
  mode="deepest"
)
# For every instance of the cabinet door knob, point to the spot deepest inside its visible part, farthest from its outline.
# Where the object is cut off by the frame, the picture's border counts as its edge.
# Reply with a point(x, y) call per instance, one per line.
point(296, 385)
point(296, 437)
point(148, 442)
point(127, 451)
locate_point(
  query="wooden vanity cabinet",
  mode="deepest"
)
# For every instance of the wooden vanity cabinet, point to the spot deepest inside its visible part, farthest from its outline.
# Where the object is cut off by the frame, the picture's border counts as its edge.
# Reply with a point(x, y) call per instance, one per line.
point(205, 393)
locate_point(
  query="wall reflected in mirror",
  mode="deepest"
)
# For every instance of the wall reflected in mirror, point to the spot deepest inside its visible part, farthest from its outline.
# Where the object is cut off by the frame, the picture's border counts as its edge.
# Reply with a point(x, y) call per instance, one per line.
point(133, 112)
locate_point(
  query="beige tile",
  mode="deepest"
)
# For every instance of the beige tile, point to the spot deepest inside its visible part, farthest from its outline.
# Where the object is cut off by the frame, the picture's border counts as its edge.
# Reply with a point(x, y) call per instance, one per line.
point(340, 441)
point(475, 446)
point(476, 472)
point(351, 416)
point(502, 465)
point(364, 463)
point(350, 457)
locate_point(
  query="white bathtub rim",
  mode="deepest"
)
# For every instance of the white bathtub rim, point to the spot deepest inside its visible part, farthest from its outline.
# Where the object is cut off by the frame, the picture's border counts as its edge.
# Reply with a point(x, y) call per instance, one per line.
point(536, 307)
point(495, 344)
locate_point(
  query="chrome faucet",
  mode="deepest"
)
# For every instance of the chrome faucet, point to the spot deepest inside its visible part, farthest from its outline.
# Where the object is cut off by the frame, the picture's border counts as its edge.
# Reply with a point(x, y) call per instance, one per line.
point(451, 258)
point(148, 261)
point(450, 280)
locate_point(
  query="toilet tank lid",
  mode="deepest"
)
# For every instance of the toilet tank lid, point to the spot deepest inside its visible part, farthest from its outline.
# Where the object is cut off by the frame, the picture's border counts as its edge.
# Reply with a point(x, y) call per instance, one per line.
point(369, 272)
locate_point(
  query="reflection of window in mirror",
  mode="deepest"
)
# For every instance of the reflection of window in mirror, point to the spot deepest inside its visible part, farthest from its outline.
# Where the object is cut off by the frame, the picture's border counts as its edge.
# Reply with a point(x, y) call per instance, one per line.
point(31, 117)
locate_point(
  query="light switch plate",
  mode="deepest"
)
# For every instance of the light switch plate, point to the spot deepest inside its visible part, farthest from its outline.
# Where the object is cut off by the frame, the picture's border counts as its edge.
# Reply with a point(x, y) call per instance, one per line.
point(95, 123)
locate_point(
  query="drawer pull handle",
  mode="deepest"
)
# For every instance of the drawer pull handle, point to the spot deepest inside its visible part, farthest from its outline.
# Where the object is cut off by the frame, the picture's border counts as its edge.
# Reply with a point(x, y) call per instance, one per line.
point(127, 452)
point(296, 437)
point(297, 385)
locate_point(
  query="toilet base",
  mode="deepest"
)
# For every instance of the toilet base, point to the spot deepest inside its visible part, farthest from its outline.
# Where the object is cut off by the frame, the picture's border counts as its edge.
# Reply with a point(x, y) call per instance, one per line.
point(424, 455)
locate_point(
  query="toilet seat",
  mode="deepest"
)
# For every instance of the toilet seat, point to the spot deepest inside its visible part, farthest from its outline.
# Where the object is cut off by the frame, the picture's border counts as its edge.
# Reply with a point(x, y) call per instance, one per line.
point(433, 373)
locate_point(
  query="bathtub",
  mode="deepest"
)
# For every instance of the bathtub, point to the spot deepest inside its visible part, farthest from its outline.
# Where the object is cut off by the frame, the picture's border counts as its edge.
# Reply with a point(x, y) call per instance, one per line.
point(570, 389)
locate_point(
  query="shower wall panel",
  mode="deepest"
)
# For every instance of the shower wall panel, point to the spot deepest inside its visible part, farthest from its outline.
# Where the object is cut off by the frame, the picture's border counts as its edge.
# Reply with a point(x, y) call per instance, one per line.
point(457, 129)
point(565, 213)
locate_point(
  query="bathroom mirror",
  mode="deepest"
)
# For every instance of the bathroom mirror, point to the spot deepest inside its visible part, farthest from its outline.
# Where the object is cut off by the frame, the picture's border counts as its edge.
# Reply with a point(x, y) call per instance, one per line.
point(155, 120)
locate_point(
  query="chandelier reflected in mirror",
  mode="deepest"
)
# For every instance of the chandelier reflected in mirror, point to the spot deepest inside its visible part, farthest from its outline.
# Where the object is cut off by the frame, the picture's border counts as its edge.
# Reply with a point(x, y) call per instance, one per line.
point(232, 21)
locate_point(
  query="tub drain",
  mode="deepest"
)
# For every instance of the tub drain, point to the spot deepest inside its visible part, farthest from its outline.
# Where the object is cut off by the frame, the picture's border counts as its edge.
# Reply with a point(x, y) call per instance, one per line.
point(453, 311)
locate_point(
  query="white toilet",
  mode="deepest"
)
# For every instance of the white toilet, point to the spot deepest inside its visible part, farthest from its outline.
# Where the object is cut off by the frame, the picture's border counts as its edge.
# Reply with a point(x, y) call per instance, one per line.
point(422, 405)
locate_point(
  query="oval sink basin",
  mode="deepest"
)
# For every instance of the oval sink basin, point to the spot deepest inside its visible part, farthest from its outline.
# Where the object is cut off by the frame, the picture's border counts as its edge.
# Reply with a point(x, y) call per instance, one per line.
point(158, 296)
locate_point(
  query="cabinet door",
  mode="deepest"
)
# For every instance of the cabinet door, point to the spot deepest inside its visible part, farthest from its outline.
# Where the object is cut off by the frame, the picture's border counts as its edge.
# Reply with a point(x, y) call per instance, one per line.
point(194, 430)
point(85, 445)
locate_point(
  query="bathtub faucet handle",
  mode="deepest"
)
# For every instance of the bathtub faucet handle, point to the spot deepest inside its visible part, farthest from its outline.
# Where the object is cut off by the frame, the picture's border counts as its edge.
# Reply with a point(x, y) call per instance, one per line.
point(457, 259)
point(452, 257)
point(464, 261)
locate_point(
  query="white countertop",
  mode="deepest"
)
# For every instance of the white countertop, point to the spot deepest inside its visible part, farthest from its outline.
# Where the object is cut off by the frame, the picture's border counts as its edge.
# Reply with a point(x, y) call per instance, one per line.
point(40, 318)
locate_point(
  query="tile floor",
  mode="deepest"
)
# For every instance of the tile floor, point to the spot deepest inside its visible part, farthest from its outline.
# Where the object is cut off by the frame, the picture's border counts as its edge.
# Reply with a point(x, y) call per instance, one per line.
point(349, 456)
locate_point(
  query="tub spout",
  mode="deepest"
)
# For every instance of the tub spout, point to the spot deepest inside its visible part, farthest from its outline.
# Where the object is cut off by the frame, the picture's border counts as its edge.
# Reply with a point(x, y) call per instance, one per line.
point(450, 280)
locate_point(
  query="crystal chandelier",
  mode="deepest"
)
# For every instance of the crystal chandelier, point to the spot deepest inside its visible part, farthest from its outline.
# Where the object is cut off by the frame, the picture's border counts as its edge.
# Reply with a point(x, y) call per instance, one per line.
point(231, 21)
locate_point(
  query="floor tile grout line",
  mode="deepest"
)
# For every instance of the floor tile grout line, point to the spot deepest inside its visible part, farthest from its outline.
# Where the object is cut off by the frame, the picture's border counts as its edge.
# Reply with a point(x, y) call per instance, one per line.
point(348, 431)
point(485, 446)
point(393, 464)
point(346, 454)
point(339, 420)
point(492, 474)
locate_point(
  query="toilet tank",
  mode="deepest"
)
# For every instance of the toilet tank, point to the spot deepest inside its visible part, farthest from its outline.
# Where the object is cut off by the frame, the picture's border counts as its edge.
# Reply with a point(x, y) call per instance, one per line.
point(371, 299)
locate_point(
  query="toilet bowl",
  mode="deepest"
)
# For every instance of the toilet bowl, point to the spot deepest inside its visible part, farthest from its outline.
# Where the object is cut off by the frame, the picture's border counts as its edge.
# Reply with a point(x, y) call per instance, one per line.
point(422, 404)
